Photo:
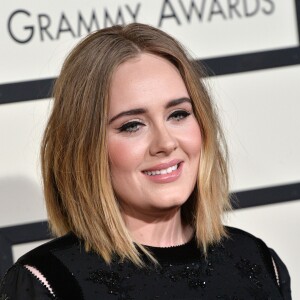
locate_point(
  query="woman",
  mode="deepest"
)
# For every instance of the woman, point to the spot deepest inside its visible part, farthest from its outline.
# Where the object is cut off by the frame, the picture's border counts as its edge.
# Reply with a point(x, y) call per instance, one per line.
point(135, 179)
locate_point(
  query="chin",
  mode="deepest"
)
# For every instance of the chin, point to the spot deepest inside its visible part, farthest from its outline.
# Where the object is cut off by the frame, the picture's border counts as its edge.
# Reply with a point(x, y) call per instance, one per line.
point(170, 203)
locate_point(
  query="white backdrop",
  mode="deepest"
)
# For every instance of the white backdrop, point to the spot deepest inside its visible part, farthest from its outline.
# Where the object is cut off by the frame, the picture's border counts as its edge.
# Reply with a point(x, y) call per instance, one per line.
point(259, 109)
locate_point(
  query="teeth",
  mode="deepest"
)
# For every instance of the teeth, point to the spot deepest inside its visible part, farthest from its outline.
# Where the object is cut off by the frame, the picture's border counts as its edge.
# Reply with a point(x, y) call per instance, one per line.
point(162, 172)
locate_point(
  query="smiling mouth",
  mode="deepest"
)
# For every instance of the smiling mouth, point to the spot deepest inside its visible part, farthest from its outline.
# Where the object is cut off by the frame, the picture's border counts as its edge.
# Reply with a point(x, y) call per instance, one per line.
point(162, 171)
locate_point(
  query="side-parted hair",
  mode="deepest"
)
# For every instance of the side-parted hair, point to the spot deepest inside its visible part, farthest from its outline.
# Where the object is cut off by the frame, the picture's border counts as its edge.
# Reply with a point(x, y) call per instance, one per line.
point(75, 163)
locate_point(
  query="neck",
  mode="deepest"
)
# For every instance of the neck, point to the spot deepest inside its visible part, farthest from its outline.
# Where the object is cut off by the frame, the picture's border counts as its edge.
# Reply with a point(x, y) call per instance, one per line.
point(158, 230)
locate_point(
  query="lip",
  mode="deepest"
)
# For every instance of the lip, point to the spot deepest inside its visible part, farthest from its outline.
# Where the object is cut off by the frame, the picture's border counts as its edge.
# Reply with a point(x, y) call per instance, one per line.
point(166, 178)
point(164, 165)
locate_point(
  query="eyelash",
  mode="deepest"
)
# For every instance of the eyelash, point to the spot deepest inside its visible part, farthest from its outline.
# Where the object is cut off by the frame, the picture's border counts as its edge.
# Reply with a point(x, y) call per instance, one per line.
point(134, 126)
point(179, 115)
point(130, 127)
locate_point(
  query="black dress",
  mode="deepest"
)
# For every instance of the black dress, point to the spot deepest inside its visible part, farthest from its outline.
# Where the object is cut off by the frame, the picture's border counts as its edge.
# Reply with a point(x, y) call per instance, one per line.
point(239, 267)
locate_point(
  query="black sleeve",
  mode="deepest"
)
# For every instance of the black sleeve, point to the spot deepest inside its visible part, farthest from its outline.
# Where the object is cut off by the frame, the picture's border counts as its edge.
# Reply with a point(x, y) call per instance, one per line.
point(19, 284)
point(283, 279)
point(283, 274)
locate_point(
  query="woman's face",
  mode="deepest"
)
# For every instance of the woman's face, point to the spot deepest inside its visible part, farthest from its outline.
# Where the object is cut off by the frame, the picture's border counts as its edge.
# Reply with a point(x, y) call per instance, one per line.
point(154, 139)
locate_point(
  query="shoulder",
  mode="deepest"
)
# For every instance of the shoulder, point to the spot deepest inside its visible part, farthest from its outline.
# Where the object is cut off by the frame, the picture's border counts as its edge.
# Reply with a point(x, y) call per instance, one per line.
point(251, 248)
point(239, 234)
point(45, 250)
point(240, 239)
point(18, 283)
point(247, 245)
point(46, 261)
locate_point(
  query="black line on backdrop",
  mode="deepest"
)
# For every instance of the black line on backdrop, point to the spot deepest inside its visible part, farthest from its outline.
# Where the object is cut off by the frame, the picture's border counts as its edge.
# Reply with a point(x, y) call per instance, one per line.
point(268, 195)
point(41, 89)
point(297, 3)
point(253, 61)
point(25, 90)
point(25, 233)
point(6, 257)
point(39, 231)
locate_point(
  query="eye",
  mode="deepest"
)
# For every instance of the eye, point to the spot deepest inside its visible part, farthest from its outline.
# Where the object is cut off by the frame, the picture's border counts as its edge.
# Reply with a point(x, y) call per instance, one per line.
point(179, 115)
point(130, 127)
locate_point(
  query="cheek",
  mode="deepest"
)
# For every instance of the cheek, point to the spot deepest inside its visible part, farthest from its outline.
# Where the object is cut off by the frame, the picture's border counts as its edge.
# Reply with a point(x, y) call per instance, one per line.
point(125, 155)
point(192, 140)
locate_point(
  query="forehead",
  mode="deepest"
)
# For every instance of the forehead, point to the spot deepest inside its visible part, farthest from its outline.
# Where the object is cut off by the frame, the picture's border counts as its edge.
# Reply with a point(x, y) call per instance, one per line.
point(145, 80)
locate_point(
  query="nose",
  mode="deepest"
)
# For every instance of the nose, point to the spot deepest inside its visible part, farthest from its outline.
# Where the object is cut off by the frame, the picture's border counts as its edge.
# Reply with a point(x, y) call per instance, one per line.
point(163, 142)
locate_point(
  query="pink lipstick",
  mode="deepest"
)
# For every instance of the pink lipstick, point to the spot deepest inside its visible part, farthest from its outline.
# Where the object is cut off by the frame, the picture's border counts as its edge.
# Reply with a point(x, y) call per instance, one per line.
point(165, 172)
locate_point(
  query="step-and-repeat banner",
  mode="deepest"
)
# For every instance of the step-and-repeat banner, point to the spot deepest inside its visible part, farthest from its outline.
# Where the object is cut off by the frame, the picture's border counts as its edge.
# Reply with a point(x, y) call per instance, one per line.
point(251, 48)
point(36, 37)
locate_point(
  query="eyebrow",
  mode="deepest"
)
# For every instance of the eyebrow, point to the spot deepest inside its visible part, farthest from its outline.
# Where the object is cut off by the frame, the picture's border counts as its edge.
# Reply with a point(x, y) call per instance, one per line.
point(140, 111)
point(178, 101)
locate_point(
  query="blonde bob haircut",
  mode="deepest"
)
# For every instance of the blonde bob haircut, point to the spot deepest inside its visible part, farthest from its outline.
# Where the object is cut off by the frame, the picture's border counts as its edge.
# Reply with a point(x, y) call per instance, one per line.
point(75, 163)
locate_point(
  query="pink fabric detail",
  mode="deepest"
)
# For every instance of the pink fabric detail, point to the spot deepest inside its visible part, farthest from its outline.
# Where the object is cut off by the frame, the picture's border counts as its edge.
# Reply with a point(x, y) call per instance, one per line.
point(40, 277)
